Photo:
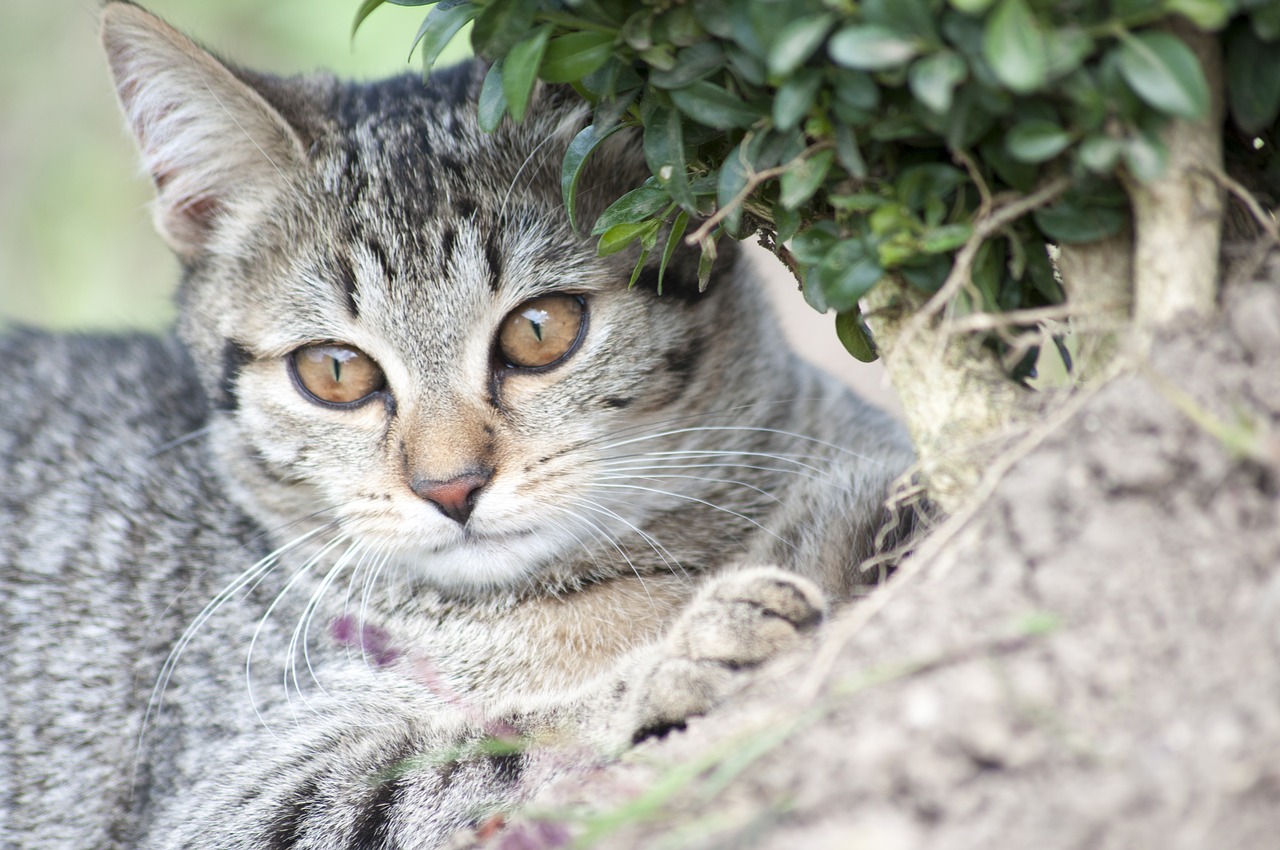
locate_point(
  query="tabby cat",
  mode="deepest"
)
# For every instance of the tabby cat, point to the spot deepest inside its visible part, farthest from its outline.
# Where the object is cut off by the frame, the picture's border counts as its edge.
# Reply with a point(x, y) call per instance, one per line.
point(419, 497)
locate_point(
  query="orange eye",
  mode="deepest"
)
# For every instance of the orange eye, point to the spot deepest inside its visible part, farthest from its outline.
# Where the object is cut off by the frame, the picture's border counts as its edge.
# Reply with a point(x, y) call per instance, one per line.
point(542, 331)
point(336, 374)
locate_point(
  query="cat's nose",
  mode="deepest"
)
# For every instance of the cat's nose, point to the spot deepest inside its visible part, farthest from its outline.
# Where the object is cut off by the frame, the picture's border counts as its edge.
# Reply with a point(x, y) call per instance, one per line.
point(456, 497)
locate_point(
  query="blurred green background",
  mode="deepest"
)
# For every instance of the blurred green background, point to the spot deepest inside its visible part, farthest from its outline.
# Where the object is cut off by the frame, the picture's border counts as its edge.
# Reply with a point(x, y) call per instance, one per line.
point(76, 245)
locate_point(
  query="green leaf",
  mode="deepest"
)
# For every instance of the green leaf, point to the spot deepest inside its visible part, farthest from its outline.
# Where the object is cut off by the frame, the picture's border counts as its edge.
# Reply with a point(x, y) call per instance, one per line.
point(795, 98)
point(673, 243)
point(620, 236)
point(854, 88)
point(933, 79)
point(847, 272)
point(664, 153)
point(575, 158)
point(785, 223)
point(1067, 222)
point(797, 41)
point(1164, 72)
point(948, 237)
point(870, 48)
point(732, 179)
point(366, 9)
point(971, 7)
point(637, 205)
point(1100, 154)
point(500, 25)
point(1067, 49)
point(799, 182)
point(929, 274)
point(853, 334)
point(571, 57)
point(493, 101)
point(712, 106)
point(1253, 79)
point(848, 152)
point(639, 267)
point(520, 70)
point(813, 288)
point(811, 244)
point(903, 16)
point(1014, 47)
point(1036, 140)
point(692, 64)
point(439, 27)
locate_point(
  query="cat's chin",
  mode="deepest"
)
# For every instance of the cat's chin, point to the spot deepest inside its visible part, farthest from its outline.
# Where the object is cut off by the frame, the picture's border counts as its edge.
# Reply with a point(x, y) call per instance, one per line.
point(481, 562)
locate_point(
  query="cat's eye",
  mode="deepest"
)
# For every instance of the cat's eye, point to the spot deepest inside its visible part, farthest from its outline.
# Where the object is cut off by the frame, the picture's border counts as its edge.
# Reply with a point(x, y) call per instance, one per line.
point(542, 331)
point(336, 374)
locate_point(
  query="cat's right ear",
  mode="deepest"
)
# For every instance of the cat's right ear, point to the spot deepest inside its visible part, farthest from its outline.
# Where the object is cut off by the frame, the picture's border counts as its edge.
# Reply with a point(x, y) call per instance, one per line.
point(212, 144)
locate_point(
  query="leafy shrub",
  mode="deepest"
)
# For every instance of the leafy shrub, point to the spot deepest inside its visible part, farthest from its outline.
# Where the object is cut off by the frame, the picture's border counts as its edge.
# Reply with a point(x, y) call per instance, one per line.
point(860, 140)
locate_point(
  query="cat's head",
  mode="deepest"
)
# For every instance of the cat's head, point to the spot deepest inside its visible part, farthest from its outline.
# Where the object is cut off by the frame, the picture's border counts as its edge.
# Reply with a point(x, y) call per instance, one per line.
point(395, 325)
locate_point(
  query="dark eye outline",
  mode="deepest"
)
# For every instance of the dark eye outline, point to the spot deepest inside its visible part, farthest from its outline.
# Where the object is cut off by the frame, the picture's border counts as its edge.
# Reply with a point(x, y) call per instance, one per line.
point(505, 366)
point(301, 387)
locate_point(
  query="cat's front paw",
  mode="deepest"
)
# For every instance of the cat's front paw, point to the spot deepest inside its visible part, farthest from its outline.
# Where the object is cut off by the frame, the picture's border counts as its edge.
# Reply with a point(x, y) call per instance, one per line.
point(735, 624)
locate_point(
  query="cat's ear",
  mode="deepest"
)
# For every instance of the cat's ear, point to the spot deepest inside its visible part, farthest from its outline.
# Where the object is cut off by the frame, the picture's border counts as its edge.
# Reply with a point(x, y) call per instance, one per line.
point(211, 142)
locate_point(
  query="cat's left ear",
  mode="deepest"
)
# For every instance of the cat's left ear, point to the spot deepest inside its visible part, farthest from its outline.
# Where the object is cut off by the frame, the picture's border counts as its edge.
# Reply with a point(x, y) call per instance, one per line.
point(213, 145)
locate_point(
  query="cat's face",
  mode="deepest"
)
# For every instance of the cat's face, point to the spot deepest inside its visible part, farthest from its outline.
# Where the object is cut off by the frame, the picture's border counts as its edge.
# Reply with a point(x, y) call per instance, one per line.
point(399, 329)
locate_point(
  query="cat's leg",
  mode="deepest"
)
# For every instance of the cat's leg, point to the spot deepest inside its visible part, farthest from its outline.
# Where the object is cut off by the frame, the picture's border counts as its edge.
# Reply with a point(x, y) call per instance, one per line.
point(736, 623)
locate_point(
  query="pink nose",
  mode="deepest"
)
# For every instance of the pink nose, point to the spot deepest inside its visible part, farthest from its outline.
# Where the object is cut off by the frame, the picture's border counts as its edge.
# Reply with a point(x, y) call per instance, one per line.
point(455, 498)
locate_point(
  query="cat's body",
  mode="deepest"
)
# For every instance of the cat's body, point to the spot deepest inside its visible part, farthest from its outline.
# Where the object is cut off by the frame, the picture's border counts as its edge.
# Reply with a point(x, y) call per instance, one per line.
point(238, 610)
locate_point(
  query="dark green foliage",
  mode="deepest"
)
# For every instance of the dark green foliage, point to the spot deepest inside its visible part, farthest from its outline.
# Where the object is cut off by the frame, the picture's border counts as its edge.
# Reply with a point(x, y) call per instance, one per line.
point(861, 139)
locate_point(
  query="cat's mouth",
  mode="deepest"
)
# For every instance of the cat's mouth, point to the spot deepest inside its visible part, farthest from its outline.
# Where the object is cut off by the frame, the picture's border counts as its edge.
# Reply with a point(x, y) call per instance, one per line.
point(473, 537)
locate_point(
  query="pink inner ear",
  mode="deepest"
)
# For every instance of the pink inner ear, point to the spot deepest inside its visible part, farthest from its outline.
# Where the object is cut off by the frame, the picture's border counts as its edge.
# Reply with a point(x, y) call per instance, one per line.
point(200, 210)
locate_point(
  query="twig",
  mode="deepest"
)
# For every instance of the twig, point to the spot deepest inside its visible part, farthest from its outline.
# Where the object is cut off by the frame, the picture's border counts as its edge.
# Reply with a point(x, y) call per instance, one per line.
point(1264, 219)
point(754, 179)
point(1033, 315)
point(984, 228)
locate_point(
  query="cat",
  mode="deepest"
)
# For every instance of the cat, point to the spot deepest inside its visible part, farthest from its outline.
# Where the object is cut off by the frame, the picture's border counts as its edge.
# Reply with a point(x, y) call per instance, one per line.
point(418, 490)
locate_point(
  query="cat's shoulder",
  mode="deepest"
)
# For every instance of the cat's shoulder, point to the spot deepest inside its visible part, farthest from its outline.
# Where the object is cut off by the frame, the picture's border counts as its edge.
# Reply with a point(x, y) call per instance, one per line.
point(72, 400)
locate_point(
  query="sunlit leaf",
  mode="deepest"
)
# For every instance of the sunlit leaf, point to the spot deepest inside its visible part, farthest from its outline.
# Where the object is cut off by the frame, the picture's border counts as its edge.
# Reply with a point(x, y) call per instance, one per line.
point(1164, 73)
point(797, 41)
point(520, 70)
point(1036, 140)
point(870, 48)
point(1014, 47)
point(620, 236)
point(933, 79)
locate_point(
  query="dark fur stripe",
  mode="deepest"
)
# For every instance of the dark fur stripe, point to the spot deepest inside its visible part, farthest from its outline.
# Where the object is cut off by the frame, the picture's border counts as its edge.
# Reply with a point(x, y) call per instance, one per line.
point(494, 257)
point(286, 829)
point(373, 827)
point(347, 278)
point(234, 358)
